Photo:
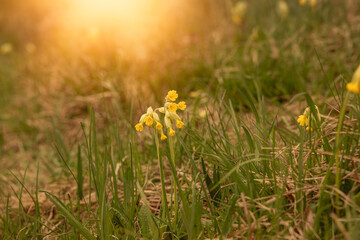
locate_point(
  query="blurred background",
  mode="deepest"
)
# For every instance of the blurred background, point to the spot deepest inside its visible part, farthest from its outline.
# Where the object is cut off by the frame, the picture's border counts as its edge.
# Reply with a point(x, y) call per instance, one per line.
point(58, 58)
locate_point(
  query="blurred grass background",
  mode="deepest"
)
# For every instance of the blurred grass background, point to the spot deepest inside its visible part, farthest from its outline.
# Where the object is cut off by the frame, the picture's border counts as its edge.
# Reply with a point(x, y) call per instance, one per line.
point(60, 59)
point(57, 60)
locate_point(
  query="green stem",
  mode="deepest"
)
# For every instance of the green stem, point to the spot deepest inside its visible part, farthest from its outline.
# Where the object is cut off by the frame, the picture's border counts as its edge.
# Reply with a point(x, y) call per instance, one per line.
point(301, 175)
point(337, 143)
point(320, 207)
point(165, 210)
point(172, 155)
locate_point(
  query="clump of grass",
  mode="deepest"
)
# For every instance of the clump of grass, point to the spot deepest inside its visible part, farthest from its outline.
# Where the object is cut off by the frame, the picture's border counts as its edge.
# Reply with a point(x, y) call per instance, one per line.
point(237, 176)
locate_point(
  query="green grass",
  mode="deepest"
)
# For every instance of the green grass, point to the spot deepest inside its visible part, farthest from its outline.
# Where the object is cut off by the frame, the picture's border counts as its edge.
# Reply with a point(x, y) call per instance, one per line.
point(241, 167)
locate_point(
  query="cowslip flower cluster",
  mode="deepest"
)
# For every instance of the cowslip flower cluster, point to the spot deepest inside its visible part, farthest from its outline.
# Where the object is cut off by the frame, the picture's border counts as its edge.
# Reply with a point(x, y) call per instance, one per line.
point(304, 119)
point(151, 118)
point(282, 9)
point(238, 12)
point(354, 85)
point(312, 3)
point(6, 48)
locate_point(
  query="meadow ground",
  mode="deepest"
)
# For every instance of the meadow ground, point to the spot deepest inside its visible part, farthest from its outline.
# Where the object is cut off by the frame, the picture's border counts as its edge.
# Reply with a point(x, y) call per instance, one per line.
point(266, 145)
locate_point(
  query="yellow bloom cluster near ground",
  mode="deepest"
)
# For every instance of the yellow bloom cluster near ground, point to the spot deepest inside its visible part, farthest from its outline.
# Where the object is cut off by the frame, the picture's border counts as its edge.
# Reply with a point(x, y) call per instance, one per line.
point(306, 119)
point(354, 85)
point(151, 118)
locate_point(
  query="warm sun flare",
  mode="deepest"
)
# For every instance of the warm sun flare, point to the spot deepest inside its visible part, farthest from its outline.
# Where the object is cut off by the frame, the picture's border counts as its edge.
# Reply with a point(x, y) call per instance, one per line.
point(105, 10)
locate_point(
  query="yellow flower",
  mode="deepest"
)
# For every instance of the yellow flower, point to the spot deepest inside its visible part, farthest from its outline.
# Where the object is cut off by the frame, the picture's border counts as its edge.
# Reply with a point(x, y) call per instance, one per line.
point(171, 132)
point(236, 19)
point(172, 95)
point(158, 126)
point(149, 121)
point(238, 12)
point(353, 87)
point(303, 120)
point(312, 3)
point(179, 124)
point(172, 107)
point(181, 105)
point(139, 127)
point(202, 114)
point(308, 128)
point(302, 2)
point(282, 9)
point(6, 48)
point(163, 137)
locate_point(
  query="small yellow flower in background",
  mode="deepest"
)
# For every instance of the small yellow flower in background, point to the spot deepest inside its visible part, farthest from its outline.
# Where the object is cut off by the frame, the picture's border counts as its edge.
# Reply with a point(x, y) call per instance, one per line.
point(302, 120)
point(149, 121)
point(302, 2)
point(179, 124)
point(6, 48)
point(173, 107)
point(238, 12)
point(312, 3)
point(159, 126)
point(163, 137)
point(172, 95)
point(202, 114)
point(282, 9)
point(181, 105)
point(171, 132)
point(139, 127)
point(354, 85)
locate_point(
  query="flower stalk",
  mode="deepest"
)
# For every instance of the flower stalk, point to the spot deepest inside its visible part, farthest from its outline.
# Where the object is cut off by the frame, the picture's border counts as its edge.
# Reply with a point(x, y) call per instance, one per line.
point(170, 119)
point(165, 210)
point(172, 156)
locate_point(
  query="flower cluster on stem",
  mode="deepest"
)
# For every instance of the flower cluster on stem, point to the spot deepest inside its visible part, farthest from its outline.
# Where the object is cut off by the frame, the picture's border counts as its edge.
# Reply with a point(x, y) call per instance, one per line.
point(354, 85)
point(151, 117)
point(304, 119)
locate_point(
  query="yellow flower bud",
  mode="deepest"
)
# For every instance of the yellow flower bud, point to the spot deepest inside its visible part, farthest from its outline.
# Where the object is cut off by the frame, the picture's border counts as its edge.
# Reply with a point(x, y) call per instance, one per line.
point(139, 127)
point(163, 137)
point(149, 111)
point(167, 122)
point(171, 132)
point(158, 126)
point(179, 124)
point(356, 75)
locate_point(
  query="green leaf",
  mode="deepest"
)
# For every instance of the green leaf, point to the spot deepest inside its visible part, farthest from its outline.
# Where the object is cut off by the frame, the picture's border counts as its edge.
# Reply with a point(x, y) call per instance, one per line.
point(70, 217)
